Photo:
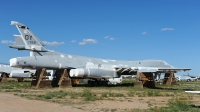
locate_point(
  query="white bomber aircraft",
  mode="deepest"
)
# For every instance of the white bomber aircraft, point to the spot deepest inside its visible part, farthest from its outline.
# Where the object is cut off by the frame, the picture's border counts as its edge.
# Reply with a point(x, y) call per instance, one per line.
point(83, 67)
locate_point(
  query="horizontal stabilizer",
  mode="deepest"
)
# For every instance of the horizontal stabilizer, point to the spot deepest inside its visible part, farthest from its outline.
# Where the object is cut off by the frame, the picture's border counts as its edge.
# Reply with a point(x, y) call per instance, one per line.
point(19, 47)
point(25, 47)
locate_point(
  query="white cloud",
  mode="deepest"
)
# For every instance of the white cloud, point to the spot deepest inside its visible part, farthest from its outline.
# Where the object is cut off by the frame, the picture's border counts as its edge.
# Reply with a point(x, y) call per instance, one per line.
point(112, 39)
point(73, 41)
point(108, 37)
point(144, 33)
point(53, 43)
point(166, 29)
point(86, 41)
point(7, 42)
point(82, 43)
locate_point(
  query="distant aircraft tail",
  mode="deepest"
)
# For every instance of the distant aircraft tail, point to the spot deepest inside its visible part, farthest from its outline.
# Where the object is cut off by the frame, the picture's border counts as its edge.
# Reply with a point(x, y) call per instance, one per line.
point(27, 40)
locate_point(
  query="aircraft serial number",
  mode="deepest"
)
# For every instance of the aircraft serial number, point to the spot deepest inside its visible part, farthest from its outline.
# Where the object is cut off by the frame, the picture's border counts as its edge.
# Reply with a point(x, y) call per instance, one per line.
point(32, 42)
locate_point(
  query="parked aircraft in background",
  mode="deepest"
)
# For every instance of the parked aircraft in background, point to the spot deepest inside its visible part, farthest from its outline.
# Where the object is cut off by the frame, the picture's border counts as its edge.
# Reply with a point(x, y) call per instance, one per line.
point(15, 72)
point(18, 73)
point(80, 67)
point(5, 68)
point(22, 73)
point(186, 78)
point(28, 74)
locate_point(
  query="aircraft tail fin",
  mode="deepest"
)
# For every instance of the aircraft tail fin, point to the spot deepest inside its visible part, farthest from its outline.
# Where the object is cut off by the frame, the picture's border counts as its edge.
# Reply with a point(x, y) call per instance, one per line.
point(27, 40)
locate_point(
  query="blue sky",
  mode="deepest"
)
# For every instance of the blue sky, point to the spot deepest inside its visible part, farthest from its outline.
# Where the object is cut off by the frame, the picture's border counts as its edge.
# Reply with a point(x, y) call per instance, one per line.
point(112, 29)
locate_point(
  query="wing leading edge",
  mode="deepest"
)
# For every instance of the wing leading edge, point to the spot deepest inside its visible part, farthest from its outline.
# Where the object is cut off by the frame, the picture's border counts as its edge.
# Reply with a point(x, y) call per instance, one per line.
point(150, 69)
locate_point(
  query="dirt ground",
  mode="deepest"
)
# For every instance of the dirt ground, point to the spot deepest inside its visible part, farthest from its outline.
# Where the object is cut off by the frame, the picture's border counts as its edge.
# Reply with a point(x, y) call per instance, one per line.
point(11, 103)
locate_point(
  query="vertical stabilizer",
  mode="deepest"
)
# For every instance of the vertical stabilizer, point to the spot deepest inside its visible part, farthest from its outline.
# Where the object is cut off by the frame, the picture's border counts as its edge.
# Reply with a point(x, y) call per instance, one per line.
point(27, 40)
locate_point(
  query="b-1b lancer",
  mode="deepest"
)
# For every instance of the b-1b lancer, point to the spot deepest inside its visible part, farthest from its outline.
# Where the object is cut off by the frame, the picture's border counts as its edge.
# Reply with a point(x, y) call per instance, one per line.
point(80, 67)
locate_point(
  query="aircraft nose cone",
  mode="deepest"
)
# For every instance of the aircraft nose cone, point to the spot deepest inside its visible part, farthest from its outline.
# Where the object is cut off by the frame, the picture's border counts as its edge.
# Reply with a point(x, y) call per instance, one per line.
point(13, 62)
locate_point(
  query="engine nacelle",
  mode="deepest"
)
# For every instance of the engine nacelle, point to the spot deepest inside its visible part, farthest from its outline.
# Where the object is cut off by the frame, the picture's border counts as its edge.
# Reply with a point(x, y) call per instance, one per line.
point(92, 73)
